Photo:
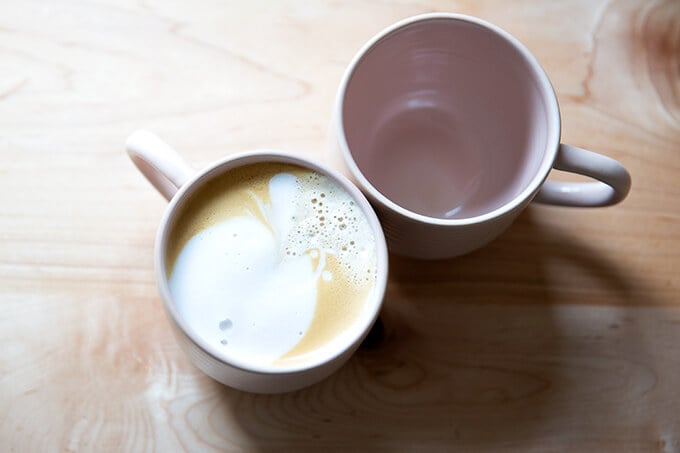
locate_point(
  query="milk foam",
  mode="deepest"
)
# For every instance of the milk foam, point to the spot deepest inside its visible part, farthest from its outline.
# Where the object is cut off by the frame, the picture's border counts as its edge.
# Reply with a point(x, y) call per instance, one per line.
point(250, 282)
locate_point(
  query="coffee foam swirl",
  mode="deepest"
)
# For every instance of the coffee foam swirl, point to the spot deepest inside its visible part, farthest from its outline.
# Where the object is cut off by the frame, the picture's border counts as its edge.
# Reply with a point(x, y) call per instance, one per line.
point(282, 256)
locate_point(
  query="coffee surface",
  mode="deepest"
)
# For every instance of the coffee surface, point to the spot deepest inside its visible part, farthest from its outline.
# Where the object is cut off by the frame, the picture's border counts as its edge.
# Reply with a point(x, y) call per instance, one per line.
point(271, 263)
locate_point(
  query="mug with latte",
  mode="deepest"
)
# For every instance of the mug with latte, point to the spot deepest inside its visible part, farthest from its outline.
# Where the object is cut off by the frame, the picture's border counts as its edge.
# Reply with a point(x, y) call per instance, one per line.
point(271, 268)
point(450, 126)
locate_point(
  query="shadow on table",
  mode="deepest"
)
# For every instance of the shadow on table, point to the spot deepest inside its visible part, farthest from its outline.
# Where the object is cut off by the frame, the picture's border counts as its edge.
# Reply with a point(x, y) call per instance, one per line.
point(475, 352)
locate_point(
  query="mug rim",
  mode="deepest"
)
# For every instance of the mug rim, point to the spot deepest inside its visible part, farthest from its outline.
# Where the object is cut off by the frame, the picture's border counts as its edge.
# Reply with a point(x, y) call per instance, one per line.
point(236, 160)
point(547, 95)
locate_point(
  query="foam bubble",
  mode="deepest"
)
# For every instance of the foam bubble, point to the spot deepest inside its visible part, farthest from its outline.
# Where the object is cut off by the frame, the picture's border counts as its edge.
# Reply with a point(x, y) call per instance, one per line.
point(226, 324)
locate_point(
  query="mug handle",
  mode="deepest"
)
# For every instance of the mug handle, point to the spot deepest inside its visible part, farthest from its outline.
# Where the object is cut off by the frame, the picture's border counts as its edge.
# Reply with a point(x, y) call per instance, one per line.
point(165, 169)
point(612, 186)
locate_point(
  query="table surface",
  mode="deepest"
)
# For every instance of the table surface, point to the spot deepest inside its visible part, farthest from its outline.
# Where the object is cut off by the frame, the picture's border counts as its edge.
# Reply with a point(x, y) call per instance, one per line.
point(563, 334)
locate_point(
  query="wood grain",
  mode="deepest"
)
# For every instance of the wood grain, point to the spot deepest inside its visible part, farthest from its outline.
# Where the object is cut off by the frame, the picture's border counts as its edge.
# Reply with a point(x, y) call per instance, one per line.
point(562, 335)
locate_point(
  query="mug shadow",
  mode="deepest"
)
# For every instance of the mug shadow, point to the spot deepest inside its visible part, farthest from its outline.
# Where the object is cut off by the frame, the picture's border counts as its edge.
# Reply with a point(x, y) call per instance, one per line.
point(475, 353)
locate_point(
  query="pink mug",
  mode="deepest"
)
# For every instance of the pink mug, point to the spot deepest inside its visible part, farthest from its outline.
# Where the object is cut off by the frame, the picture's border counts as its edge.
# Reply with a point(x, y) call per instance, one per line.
point(450, 127)
point(178, 182)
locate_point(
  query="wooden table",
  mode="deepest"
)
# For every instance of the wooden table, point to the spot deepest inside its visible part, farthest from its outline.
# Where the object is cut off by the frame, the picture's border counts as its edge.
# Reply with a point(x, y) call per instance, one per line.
point(564, 334)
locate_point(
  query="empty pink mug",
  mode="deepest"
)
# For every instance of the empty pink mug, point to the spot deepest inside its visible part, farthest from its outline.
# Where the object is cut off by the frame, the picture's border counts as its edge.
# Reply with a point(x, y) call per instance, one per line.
point(450, 126)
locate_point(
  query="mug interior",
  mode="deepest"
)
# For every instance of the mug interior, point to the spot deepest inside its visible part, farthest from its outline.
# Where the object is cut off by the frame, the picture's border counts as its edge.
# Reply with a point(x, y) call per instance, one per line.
point(449, 118)
point(181, 205)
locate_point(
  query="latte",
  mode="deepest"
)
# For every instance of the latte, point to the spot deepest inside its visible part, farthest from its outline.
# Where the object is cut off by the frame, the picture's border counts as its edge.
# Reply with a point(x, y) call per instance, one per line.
point(271, 263)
